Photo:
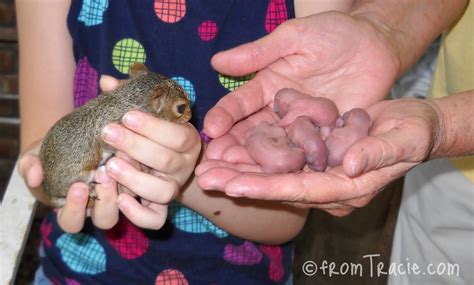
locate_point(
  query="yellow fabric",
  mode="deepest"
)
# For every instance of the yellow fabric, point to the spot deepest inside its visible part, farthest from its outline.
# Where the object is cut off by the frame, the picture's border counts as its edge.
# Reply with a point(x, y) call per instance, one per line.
point(455, 71)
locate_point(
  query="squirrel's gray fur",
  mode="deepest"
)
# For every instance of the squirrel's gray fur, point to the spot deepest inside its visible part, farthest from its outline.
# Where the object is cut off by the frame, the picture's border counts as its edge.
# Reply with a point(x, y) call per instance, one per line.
point(73, 149)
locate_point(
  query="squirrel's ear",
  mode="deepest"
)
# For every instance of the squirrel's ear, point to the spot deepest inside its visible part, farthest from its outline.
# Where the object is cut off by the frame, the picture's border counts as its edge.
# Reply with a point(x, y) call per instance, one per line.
point(156, 99)
point(137, 69)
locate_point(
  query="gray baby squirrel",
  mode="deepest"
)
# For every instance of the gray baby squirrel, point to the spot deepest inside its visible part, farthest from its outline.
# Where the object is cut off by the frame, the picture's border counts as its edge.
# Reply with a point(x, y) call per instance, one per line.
point(73, 149)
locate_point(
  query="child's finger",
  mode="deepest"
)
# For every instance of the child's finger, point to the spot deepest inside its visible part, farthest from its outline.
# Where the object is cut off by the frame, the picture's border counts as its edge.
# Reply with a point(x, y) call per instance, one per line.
point(109, 83)
point(72, 216)
point(105, 213)
point(180, 138)
point(151, 217)
point(29, 167)
point(143, 149)
point(156, 189)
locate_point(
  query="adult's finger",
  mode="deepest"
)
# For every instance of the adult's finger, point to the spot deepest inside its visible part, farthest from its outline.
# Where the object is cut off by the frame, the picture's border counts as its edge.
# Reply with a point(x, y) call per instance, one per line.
point(233, 107)
point(254, 56)
point(238, 134)
point(310, 187)
point(215, 174)
point(72, 216)
point(237, 154)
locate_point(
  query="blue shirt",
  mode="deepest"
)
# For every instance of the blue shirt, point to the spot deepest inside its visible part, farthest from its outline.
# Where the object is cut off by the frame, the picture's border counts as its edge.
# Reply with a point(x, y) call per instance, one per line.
point(176, 38)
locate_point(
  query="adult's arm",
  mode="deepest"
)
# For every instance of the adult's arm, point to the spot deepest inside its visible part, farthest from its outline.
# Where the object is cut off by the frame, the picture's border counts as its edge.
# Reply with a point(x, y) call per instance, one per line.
point(351, 58)
point(410, 26)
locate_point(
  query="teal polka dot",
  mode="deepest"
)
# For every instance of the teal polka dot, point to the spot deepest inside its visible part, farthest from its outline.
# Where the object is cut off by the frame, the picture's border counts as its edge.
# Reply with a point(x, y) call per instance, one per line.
point(82, 253)
point(190, 221)
point(187, 86)
point(92, 12)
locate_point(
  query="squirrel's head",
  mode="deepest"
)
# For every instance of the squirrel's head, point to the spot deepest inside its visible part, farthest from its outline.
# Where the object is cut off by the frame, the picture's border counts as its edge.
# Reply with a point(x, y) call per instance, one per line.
point(166, 99)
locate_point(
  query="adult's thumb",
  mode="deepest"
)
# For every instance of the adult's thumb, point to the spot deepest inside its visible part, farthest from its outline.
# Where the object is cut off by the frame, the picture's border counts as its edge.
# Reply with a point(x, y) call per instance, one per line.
point(256, 55)
point(375, 152)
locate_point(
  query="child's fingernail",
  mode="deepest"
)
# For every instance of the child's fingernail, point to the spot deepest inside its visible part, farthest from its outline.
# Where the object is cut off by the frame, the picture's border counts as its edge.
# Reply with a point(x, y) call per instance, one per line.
point(120, 203)
point(102, 177)
point(113, 167)
point(79, 192)
point(132, 119)
point(111, 133)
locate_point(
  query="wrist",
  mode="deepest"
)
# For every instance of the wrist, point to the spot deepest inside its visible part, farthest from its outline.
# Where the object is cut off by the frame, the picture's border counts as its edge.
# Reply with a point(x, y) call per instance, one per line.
point(409, 26)
point(440, 129)
point(378, 23)
point(454, 132)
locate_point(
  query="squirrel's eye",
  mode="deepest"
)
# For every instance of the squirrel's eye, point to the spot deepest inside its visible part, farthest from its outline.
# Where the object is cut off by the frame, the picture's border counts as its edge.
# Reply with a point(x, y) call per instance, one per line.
point(180, 108)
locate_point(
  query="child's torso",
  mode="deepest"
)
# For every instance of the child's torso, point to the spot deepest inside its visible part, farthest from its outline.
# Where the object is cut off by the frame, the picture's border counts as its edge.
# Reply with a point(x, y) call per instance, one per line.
point(176, 38)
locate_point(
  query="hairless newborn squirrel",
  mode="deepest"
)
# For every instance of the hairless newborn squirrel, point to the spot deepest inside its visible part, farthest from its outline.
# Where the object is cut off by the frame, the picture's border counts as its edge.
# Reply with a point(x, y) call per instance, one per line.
point(310, 132)
point(73, 149)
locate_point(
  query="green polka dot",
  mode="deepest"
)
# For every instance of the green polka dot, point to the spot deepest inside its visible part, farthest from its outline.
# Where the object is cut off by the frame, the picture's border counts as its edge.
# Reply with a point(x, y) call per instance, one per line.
point(234, 82)
point(126, 52)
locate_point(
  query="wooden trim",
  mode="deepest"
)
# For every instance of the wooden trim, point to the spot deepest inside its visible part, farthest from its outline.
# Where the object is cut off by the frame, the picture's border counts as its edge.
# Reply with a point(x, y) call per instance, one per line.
point(16, 215)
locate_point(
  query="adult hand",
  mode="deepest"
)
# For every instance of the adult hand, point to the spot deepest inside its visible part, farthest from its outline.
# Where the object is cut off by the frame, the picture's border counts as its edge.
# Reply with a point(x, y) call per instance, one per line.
point(72, 216)
point(334, 55)
point(403, 134)
point(166, 153)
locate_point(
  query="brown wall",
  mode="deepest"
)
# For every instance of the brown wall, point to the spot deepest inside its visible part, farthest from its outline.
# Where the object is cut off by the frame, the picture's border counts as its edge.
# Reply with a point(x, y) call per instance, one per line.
point(9, 127)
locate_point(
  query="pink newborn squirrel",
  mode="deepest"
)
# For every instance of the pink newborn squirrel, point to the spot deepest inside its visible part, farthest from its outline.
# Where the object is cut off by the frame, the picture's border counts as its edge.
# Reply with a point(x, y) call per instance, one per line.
point(310, 132)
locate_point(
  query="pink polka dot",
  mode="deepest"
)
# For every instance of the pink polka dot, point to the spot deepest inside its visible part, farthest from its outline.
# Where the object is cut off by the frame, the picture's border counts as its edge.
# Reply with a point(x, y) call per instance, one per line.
point(86, 82)
point(276, 14)
point(171, 277)
point(54, 281)
point(245, 254)
point(274, 254)
point(128, 240)
point(207, 30)
point(72, 282)
point(46, 229)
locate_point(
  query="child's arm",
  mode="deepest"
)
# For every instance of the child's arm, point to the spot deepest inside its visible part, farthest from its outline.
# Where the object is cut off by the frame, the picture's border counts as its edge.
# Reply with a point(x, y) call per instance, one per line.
point(46, 71)
point(46, 94)
point(262, 221)
point(305, 8)
point(170, 151)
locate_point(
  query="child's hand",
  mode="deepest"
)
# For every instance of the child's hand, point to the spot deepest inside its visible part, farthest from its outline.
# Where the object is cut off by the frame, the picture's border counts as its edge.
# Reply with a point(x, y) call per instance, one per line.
point(72, 216)
point(168, 153)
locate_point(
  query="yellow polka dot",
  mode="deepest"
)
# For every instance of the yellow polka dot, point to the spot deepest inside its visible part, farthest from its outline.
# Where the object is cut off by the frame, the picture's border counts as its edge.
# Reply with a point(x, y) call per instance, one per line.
point(234, 82)
point(126, 52)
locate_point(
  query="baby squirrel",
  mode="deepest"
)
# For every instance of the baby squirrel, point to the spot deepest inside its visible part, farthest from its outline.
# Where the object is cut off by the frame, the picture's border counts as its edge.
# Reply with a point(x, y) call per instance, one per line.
point(73, 149)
